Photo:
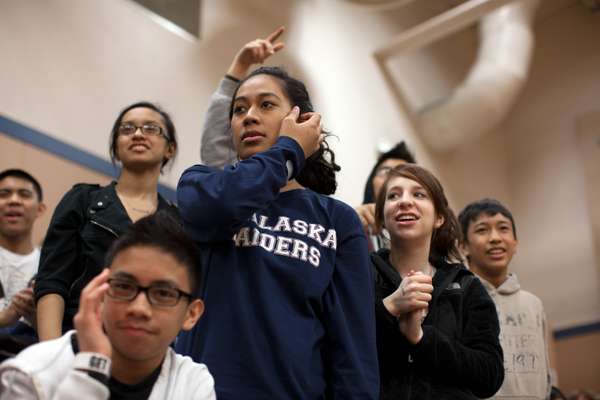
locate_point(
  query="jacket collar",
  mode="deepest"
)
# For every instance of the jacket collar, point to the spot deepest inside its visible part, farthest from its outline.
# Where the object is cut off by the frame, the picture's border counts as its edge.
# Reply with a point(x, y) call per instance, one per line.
point(444, 271)
point(509, 286)
point(106, 208)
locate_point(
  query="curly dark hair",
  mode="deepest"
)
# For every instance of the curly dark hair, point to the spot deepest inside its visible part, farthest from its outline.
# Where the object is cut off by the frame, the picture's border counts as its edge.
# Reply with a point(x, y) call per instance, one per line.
point(319, 169)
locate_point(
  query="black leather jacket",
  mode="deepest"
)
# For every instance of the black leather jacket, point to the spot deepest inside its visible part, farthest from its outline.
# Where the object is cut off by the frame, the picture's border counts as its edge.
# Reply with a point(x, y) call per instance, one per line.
point(459, 356)
point(85, 223)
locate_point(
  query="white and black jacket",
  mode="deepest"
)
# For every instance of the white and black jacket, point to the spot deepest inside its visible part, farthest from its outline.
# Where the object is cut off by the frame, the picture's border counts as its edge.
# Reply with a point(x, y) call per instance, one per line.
point(45, 371)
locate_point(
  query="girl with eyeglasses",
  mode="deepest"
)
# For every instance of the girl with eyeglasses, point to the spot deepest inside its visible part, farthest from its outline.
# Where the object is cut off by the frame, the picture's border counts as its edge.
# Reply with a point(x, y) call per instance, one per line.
point(90, 217)
point(437, 328)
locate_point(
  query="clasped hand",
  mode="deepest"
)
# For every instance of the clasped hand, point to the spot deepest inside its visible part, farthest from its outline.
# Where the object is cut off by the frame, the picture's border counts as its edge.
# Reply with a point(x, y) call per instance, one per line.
point(409, 303)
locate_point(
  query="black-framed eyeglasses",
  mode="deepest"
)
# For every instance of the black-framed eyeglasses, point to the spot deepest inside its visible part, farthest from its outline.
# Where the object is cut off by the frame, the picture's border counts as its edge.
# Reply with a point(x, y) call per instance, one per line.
point(157, 295)
point(147, 129)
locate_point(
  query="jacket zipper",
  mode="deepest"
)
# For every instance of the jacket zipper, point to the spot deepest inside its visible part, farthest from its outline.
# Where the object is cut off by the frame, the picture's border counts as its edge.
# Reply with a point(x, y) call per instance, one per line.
point(410, 376)
point(106, 228)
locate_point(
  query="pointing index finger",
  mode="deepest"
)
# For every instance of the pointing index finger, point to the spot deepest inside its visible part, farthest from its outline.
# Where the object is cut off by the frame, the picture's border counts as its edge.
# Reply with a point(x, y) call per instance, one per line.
point(273, 36)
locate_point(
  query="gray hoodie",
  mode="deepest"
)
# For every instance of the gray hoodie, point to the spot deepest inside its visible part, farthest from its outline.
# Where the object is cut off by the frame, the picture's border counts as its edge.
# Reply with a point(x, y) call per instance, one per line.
point(523, 340)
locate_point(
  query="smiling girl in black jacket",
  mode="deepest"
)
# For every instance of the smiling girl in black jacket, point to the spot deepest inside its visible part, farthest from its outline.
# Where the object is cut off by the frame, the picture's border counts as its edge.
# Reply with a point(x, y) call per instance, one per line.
point(90, 217)
point(437, 328)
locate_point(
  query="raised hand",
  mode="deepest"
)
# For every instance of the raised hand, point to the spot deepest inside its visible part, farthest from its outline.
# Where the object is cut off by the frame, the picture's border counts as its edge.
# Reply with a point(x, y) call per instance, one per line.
point(366, 213)
point(417, 288)
point(88, 320)
point(414, 293)
point(304, 129)
point(255, 52)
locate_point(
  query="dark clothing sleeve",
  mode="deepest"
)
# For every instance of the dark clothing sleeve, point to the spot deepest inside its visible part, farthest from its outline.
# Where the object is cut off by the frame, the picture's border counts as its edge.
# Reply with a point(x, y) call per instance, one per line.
point(60, 251)
point(349, 319)
point(213, 203)
point(474, 362)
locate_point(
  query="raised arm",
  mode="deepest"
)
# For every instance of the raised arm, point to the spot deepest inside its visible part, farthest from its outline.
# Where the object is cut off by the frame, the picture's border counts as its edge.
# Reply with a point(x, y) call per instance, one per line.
point(213, 203)
point(216, 148)
point(350, 350)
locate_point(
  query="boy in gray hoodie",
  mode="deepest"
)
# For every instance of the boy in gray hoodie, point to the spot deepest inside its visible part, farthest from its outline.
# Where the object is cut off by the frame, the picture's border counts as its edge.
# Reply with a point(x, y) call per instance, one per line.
point(489, 243)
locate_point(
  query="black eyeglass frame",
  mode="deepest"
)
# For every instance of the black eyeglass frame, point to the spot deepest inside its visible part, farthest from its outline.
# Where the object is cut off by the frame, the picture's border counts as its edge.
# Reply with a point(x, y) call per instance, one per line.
point(142, 128)
point(146, 289)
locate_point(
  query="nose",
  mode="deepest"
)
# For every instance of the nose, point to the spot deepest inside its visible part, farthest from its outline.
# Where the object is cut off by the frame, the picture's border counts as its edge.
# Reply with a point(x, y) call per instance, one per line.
point(140, 306)
point(494, 235)
point(406, 200)
point(251, 116)
point(138, 132)
point(15, 198)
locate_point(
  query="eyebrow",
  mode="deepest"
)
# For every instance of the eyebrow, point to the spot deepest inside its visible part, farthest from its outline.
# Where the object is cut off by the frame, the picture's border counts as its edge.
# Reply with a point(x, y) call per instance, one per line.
point(486, 223)
point(416, 186)
point(127, 276)
point(260, 95)
point(18, 190)
point(146, 122)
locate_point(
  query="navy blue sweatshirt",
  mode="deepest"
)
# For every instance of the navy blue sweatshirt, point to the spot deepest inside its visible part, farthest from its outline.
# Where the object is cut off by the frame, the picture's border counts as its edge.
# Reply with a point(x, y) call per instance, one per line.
point(287, 284)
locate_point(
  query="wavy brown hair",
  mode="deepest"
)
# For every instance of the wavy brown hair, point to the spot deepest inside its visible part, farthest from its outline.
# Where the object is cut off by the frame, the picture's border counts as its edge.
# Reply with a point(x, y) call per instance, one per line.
point(444, 239)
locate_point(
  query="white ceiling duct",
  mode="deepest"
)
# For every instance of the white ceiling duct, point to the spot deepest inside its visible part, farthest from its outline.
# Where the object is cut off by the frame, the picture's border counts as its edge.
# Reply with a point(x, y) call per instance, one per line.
point(492, 84)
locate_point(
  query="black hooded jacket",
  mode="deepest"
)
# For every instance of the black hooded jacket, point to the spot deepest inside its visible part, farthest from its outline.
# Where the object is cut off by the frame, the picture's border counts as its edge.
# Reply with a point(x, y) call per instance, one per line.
point(459, 356)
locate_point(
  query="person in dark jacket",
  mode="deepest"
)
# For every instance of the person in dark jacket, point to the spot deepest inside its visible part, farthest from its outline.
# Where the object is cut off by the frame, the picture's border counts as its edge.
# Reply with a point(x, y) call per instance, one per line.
point(437, 328)
point(90, 217)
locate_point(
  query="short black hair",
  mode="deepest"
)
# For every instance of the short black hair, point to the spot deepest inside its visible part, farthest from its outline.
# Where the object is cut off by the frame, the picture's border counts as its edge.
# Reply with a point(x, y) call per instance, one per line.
point(489, 207)
point(19, 173)
point(163, 232)
point(170, 134)
point(401, 152)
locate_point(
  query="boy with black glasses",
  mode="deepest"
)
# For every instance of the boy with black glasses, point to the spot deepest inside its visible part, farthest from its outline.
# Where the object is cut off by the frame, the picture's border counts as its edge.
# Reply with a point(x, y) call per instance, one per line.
point(128, 317)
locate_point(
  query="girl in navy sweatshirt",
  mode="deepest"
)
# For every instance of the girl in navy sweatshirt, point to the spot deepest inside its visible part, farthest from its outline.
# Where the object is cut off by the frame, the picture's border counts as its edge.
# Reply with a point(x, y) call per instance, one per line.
point(288, 290)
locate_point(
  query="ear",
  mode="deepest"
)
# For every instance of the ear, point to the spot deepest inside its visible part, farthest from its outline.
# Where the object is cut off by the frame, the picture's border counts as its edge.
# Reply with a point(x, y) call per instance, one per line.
point(171, 149)
point(194, 311)
point(41, 209)
point(439, 221)
point(464, 248)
